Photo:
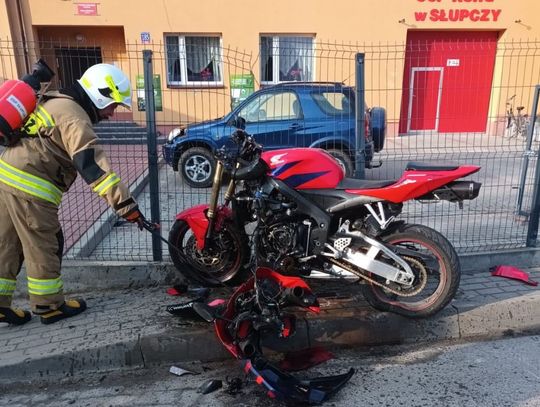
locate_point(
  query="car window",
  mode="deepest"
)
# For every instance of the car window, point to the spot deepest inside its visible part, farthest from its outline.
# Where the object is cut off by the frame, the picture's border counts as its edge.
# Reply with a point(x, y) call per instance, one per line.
point(334, 103)
point(272, 106)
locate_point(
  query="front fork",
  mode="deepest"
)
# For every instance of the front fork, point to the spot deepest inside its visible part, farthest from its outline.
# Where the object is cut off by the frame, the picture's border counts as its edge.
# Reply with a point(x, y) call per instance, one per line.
point(213, 204)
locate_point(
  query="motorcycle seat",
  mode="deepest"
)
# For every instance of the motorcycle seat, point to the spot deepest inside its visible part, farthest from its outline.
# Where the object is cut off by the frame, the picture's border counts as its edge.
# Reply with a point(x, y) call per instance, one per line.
point(353, 183)
point(417, 166)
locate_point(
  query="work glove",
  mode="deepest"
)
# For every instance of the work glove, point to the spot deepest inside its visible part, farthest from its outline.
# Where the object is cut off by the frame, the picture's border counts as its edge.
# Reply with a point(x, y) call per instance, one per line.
point(135, 216)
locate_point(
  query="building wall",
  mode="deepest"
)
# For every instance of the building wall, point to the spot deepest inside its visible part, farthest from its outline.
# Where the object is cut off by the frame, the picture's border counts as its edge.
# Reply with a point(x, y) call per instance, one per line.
point(241, 22)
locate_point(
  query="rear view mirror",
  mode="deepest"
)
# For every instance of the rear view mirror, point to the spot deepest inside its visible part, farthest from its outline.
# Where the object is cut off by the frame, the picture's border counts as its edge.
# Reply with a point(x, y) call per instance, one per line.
point(238, 122)
point(204, 311)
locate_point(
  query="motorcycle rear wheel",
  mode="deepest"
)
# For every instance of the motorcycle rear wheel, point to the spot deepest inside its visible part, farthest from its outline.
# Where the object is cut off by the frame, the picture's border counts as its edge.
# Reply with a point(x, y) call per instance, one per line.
point(441, 282)
point(222, 263)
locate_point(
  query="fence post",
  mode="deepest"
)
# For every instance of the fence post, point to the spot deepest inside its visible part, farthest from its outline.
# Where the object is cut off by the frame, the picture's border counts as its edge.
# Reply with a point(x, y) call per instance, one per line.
point(153, 171)
point(360, 93)
point(532, 232)
point(528, 153)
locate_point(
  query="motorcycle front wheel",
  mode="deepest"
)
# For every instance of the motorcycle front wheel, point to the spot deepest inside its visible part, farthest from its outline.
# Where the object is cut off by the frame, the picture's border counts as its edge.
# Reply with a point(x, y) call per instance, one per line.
point(221, 262)
point(436, 268)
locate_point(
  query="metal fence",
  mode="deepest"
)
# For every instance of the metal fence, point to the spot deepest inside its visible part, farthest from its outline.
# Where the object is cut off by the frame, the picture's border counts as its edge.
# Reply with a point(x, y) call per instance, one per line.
point(217, 78)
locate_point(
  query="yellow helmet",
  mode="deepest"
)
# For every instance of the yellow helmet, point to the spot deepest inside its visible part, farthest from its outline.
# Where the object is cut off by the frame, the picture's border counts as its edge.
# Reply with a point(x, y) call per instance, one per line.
point(106, 84)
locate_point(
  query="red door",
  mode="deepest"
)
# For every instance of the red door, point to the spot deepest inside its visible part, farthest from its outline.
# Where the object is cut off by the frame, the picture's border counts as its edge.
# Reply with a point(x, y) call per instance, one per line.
point(460, 102)
point(425, 96)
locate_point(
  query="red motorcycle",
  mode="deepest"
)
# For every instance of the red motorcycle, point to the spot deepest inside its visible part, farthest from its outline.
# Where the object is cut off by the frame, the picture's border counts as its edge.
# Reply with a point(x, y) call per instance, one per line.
point(292, 210)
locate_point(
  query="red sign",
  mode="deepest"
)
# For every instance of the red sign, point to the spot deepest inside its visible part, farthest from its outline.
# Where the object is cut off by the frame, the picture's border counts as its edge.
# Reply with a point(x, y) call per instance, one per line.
point(87, 9)
point(474, 15)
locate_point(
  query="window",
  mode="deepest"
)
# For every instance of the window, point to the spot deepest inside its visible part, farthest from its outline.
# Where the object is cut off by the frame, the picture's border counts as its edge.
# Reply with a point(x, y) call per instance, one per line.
point(334, 103)
point(286, 58)
point(272, 106)
point(194, 60)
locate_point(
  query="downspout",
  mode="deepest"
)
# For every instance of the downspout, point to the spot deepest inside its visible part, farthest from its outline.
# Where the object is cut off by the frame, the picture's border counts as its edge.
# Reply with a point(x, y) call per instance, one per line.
point(23, 36)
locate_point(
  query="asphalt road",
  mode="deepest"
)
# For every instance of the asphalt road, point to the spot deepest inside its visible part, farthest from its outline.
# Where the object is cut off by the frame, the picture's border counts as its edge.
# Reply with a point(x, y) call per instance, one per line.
point(499, 373)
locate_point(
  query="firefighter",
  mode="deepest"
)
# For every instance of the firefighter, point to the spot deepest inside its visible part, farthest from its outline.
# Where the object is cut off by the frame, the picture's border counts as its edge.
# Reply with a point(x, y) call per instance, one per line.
point(59, 142)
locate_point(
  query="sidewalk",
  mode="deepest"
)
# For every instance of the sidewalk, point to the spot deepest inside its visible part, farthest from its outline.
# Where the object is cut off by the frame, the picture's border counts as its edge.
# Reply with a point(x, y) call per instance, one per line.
point(131, 328)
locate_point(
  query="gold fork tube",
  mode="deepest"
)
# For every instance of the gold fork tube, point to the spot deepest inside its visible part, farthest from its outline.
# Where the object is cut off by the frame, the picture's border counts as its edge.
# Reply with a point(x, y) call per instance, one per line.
point(230, 189)
point(216, 186)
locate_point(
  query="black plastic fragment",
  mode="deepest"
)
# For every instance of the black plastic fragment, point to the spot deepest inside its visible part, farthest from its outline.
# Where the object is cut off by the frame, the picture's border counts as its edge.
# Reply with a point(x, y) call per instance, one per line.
point(210, 386)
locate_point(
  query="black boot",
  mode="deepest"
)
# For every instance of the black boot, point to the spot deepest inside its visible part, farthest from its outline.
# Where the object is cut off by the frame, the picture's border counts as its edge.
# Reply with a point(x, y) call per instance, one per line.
point(14, 316)
point(69, 308)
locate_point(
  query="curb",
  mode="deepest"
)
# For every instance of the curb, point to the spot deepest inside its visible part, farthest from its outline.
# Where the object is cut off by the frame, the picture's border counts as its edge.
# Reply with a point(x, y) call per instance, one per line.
point(80, 276)
point(339, 325)
point(89, 276)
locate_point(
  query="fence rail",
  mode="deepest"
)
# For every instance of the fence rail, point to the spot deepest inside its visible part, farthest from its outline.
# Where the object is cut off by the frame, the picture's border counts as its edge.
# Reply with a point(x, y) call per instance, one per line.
point(445, 101)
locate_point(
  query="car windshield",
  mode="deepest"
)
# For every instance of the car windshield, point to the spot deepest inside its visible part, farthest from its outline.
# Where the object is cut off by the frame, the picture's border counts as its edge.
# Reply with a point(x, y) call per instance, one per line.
point(334, 103)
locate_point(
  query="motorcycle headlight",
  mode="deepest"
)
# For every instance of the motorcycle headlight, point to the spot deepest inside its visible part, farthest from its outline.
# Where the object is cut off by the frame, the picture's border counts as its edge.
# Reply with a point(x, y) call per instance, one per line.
point(174, 133)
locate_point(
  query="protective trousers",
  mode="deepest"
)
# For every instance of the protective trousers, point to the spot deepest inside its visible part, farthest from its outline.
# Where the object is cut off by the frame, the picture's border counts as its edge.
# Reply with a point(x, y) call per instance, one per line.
point(30, 231)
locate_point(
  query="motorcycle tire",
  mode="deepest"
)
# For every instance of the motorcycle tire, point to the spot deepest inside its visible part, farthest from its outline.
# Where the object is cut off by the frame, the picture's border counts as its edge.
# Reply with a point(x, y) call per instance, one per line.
point(216, 266)
point(441, 285)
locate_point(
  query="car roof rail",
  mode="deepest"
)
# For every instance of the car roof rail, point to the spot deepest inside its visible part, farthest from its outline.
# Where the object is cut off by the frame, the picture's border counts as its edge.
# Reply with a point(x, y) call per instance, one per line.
point(304, 83)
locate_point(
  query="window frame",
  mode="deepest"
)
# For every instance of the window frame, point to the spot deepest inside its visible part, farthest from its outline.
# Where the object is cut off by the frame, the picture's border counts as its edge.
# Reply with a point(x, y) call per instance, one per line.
point(275, 57)
point(182, 58)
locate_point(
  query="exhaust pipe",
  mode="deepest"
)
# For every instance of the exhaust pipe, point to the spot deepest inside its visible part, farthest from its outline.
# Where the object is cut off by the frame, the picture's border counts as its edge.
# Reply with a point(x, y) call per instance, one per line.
point(455, 191)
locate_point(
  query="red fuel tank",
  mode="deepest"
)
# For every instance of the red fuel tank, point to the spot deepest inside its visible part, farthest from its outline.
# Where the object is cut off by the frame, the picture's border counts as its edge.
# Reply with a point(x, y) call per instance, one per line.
point(304, 168)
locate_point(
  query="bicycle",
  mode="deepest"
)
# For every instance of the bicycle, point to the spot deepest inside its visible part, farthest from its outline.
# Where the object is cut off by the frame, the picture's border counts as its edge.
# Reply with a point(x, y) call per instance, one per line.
point(516, 125)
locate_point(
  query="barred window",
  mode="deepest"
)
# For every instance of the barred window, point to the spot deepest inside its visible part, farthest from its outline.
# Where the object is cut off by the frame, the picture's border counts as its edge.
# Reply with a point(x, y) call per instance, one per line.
point(286, 58)
point(194, 60)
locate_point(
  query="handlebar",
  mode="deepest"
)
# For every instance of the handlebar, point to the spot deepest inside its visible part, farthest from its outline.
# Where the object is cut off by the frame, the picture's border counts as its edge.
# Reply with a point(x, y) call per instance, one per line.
point(247, 156)
point(248, 145)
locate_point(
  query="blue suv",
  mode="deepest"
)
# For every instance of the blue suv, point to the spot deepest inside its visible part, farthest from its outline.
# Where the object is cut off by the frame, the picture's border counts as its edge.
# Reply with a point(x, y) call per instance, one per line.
point(292, 114)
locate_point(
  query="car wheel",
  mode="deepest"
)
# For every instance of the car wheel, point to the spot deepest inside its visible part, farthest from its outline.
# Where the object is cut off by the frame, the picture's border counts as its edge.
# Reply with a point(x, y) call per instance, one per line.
point(343, 160)
point(197, 167)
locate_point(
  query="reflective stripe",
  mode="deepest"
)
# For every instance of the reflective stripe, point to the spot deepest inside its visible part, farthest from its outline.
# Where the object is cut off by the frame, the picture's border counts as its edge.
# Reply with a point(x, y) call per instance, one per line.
point(29, 183)
point(7, 287)
point(44, 116)
point(45, 287)
point(106, 184)
point(86, 82)
point(116, 95)
point(38, 119)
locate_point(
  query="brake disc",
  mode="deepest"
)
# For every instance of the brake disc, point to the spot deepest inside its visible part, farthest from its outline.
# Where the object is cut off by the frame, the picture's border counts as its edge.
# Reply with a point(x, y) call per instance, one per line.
point(205, 257)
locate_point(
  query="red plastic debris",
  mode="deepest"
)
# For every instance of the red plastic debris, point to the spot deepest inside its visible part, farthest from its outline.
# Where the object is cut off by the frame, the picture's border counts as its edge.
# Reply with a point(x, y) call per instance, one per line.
point(217, 302)
point(513, 273)
point(177, 290)
point(173, 291)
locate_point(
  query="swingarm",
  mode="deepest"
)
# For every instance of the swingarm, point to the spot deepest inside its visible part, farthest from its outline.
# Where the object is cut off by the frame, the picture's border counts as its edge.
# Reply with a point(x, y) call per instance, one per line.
point(368, 260)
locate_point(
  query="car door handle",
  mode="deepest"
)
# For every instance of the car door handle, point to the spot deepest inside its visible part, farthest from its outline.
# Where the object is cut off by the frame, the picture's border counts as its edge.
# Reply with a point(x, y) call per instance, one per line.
point(296, 126)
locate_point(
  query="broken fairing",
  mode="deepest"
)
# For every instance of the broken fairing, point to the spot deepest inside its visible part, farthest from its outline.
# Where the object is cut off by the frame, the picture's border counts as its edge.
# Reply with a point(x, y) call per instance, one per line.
point(256, 307)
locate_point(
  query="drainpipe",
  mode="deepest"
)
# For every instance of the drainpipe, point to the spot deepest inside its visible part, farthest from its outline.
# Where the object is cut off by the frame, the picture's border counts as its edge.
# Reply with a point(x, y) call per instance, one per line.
point(23, 36)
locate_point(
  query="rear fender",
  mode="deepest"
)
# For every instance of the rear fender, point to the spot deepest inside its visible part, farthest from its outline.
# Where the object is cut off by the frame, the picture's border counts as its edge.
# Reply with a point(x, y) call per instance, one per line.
point(392, 228)
point(196, 218)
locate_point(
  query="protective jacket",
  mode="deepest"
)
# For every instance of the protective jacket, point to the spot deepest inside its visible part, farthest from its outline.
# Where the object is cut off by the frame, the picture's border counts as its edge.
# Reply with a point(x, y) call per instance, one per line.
point(62, 143)
point(34, 174)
